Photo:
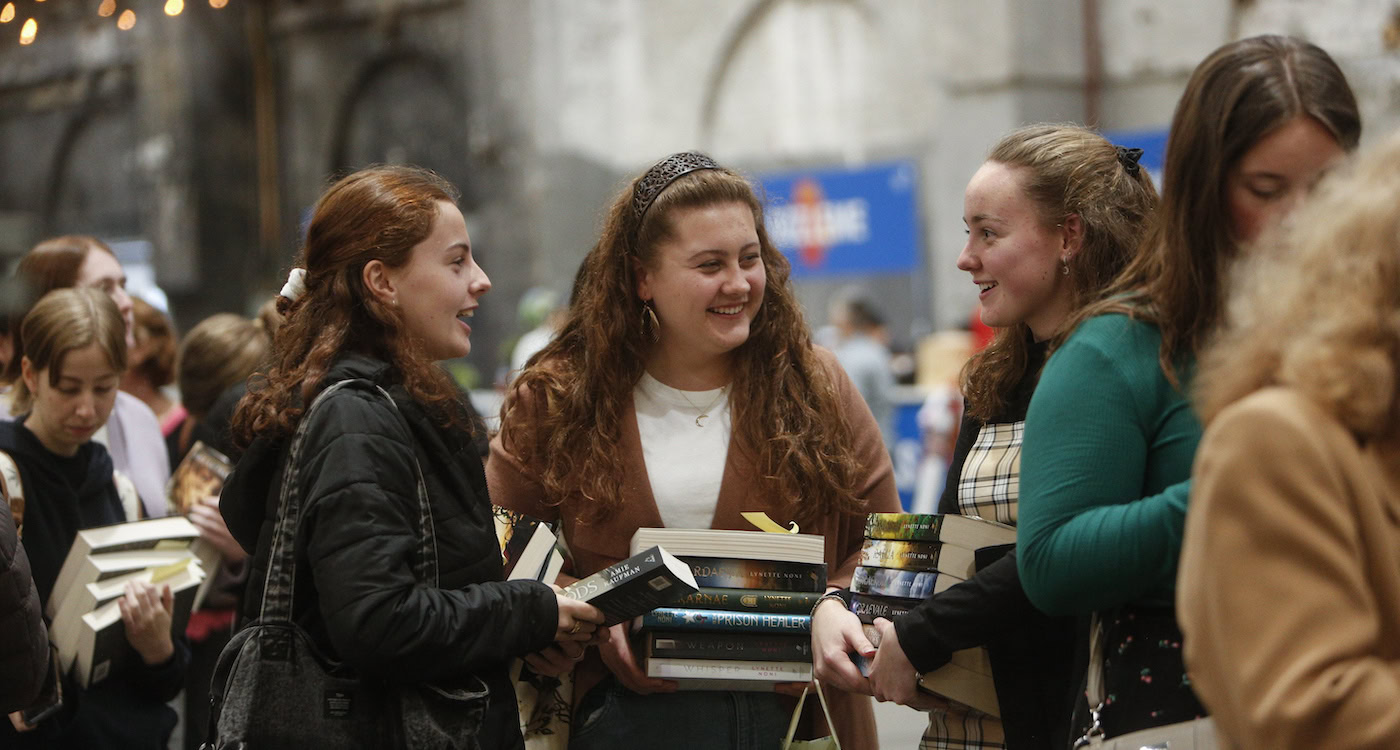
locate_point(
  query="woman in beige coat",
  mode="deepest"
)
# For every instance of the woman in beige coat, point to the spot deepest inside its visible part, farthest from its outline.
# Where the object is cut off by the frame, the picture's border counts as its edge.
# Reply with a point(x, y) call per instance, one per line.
point(1289, 588)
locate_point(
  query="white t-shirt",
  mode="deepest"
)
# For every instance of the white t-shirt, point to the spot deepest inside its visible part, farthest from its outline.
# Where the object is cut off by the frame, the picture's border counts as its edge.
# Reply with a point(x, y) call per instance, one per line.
point(684, 460)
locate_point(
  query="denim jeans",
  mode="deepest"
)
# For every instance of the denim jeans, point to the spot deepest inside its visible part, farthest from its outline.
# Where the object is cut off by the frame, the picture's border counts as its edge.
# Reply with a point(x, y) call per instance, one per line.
point(611, 717)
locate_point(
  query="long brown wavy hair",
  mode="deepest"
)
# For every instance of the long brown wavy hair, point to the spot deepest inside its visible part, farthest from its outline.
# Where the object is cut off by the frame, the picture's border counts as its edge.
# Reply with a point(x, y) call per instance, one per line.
point(1065, 170)
point(1238, 95)
point(564, 418)
point(1320, 311)
point(378, 213)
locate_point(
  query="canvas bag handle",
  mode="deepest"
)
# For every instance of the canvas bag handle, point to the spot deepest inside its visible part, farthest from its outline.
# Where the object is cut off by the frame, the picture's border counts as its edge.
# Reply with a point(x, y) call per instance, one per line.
point(788, 743)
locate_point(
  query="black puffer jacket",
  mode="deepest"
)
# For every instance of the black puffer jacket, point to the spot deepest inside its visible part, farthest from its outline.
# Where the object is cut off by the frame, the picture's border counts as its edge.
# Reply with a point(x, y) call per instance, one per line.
point(355, 590)
point(24, 643)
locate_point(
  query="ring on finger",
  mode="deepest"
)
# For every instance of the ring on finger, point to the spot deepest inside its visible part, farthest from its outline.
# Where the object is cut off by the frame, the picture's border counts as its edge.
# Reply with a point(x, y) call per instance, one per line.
point(574, 630)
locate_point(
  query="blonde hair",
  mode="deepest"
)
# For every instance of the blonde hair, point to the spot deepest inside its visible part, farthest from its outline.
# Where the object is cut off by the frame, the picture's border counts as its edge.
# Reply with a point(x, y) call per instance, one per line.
point(217, 354)
point(1063, 170)
point(1317, 308)
point(62, 321)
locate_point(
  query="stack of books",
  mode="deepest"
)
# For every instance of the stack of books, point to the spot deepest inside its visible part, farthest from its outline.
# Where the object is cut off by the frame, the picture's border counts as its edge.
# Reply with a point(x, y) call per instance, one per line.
point(84, 614)
point(907, 557)
point(748, 627)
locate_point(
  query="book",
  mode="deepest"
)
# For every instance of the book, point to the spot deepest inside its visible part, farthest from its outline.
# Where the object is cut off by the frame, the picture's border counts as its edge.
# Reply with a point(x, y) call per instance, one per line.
point(970, 532)
point(907, 584)
point(868, 607)
point(729, 669)
point(171, 532)
point(667, 618)
point(98, 568)
point(200, 474)
point(103, 649)
point(529, 547)
point(649, 579)
point(736, 646)
point(64, 628)
point(750, 600)
point(934, 556)
point(730, 543)
point(962, 685)
point(766, 575)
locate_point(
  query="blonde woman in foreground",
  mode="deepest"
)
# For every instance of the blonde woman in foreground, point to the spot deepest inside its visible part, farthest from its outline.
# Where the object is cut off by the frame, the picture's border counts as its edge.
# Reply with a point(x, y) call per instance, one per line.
point(1289, 592)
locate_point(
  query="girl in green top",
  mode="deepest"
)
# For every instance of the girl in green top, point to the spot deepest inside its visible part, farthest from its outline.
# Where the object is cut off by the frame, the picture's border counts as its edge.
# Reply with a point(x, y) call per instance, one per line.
point(1110, 435)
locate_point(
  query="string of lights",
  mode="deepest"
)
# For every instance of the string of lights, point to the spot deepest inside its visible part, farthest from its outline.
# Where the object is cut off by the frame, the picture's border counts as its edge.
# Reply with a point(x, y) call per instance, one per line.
point(29, 29)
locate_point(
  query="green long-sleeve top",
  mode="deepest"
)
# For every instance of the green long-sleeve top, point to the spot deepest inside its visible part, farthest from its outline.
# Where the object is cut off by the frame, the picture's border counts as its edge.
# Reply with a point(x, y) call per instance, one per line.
point(1105, 472)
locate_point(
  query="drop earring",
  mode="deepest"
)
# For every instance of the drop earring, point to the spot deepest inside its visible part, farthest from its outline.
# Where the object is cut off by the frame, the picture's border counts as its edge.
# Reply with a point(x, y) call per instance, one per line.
point(651, 327)
point(1064, 266)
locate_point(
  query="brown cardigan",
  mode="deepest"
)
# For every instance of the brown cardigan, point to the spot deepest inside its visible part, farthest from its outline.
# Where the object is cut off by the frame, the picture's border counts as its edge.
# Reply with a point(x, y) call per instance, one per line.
point(597, 545)
point(1289, 586)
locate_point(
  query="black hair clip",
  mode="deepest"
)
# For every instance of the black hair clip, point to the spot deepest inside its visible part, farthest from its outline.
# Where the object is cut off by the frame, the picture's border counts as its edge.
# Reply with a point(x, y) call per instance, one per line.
point(1128, 157)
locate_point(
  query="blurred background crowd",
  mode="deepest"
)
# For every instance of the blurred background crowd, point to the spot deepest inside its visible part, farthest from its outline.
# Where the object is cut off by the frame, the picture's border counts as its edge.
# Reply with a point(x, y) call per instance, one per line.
point(193, 137)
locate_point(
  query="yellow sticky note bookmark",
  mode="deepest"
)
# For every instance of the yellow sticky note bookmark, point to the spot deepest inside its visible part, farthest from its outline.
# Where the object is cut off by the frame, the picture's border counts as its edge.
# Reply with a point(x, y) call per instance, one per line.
point(761, 520)
point(167, 571)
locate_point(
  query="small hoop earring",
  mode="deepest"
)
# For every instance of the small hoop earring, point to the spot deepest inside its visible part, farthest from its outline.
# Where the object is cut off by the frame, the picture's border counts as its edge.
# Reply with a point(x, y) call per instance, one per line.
point(1064, 266)
point(649, 321)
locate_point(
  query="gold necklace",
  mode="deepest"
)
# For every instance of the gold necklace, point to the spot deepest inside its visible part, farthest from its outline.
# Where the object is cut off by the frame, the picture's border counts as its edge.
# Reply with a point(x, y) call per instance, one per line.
point(705, 412)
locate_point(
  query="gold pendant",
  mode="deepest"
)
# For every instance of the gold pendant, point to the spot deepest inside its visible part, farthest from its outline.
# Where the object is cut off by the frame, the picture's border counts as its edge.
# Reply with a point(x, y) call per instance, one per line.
point(699, 421)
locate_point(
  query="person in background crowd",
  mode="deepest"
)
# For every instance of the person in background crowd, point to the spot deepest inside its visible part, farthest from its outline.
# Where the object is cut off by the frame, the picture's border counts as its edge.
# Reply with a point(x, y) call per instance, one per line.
point(1053, 216)
point(132, 434)
point(153, 365)
point(216, 355)
point(71, 360)
point(862, 349)
point(682, 390)
point(1110, 434)
point(387, 285)
point(541, 311)
point(215, 426)
point(1294, 510)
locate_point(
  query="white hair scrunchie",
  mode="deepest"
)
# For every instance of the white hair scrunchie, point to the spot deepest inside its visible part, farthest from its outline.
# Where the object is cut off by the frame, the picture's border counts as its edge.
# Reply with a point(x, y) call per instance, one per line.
point(295, 286)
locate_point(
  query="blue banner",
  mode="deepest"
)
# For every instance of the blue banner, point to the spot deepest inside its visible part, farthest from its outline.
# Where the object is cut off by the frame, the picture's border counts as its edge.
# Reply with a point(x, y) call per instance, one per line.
point(846, 222)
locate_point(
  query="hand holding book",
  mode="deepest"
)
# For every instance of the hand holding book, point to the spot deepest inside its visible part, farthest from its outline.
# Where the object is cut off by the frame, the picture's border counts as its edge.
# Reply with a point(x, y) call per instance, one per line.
point(892, 676)
point(579, 621)
point(621, 660)
point(836, 634)
point(146, 612)
point(205, 515)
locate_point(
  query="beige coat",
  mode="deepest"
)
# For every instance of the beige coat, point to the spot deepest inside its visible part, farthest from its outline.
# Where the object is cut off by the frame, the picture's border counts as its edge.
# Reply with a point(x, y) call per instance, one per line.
point(1289, 587)
point(598, 545)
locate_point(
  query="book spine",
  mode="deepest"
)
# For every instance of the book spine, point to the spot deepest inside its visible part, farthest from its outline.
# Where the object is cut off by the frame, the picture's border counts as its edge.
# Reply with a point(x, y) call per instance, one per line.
point(867, 607)
point(921, 527)
point(736, 646)
point(750, 600)
point(741, 622)
point(766, 575)
point(880, 553)
point(906, 584)
point(729, 670)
